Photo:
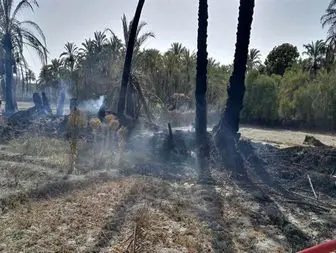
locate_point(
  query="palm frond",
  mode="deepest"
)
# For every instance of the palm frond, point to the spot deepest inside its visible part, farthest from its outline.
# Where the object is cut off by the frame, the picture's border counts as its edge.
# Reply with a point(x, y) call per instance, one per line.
point(329, 18)
point(37, 28)
point(23, 5)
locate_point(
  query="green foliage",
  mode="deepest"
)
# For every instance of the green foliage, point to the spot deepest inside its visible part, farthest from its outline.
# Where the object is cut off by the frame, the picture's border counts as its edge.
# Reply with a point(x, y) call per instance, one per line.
point(291, 82)
point(281, 58)
point(260, 104)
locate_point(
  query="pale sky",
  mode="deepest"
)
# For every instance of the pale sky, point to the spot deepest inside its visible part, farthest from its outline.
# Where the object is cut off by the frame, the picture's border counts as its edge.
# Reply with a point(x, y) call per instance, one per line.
point(275, 22)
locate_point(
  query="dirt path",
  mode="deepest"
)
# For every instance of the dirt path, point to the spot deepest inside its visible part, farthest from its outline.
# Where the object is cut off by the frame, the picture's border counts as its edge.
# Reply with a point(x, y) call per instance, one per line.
point(284, 138)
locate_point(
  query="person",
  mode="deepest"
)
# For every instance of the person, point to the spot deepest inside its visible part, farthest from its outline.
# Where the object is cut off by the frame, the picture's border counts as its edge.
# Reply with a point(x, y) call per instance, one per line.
point(75, 123)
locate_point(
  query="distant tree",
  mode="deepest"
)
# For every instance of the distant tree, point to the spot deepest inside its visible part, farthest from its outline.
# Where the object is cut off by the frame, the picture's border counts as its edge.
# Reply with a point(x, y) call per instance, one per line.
point(201, 83)
point(316, 54)
point(128, 58)
point(281, 58)
point(15, 35)
point(100, 40)
point(253, 59)
point(177, 49)
point(69, 56)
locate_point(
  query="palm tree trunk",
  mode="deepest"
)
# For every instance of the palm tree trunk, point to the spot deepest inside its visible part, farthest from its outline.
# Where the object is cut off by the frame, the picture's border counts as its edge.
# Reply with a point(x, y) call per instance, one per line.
point(10, 107)
point(130, 106)
point(226, 132)
point(128, 58)
point(201, 81)
point(236, 88)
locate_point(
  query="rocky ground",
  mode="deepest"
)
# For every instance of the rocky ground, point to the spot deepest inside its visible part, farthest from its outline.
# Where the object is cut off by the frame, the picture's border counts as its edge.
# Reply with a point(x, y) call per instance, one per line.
point(154, 205)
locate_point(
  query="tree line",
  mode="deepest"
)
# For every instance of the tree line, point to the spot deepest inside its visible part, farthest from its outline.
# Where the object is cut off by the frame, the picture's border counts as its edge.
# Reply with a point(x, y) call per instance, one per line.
point(287, 88)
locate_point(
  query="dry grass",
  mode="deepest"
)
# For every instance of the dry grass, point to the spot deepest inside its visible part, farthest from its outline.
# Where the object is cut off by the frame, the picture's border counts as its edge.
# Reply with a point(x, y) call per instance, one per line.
point(65, 224)
point(53, 150)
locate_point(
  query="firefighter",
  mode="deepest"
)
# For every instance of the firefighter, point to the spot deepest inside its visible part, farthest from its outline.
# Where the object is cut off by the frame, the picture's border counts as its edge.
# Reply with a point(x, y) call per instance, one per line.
point(75, 123)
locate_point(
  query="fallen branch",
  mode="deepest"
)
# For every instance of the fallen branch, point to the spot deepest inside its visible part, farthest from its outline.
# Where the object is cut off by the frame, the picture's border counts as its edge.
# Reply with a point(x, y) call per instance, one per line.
point(312, 187)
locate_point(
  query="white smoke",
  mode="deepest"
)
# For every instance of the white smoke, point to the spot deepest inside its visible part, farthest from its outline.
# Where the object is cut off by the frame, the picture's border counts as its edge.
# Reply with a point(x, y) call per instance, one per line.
point(92, 106)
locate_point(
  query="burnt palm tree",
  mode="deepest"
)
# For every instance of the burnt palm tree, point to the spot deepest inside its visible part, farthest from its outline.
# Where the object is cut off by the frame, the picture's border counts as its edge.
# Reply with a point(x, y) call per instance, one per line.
point(128, 58)
point(226, 132)
point(201, 81)
point(316, 54)
point(139, 38)
point(16, 34)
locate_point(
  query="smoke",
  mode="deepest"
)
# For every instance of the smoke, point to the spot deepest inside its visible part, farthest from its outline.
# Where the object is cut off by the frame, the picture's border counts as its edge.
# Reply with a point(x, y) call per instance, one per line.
point(92, 106)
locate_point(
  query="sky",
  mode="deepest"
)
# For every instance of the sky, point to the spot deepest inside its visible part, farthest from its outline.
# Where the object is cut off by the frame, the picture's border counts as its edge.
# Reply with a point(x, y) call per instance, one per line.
point(275, 22)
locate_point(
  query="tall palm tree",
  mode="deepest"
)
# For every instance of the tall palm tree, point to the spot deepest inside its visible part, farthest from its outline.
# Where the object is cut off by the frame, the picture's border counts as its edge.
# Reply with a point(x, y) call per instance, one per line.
point(316, 54)
point(16, 34)
point(329, 19)
point(201, 82)
point(226, 132)
point(140, 39)
point(253, 59)
point(128, 58)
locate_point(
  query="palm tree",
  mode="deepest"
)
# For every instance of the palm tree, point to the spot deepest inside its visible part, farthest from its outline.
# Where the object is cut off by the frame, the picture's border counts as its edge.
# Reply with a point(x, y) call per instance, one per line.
point(69, 58)
point(316, 54)
point(88, 48)
point(201, 82)
point(253, 59)
point(100, 40)
point(16, 34)
point(30, 78)
point(177, 49)
point(140, 38)
point(226, 132)
point(329, 19)
point(128, 58)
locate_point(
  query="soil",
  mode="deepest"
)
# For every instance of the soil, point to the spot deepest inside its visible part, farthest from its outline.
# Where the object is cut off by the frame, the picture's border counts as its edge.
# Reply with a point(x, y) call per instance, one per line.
point(150, 203)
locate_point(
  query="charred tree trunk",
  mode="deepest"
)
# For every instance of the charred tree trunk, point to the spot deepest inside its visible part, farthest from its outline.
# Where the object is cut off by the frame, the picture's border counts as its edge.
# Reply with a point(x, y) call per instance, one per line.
point(201, 82)
point(46, 104)
point(10, 106)
point(130, 103)
point(128, 58)
point(226, 132)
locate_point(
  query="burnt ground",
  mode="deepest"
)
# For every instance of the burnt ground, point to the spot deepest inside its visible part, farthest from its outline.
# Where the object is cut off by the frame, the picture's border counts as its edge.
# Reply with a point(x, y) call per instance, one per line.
point(155, 205)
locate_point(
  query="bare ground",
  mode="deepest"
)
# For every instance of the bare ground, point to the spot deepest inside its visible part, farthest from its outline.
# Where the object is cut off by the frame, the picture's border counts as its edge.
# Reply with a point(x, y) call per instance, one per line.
point(144, 206)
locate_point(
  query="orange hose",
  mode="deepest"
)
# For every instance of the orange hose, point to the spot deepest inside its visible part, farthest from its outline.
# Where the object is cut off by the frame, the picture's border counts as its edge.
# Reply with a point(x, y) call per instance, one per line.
point(325, 247)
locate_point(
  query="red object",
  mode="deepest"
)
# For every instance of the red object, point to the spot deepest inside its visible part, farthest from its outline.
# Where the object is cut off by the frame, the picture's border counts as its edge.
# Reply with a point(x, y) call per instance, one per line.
point(325, 247)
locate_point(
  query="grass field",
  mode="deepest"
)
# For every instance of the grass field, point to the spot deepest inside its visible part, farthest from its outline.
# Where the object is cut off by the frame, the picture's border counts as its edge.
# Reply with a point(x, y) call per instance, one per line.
point(141, 205)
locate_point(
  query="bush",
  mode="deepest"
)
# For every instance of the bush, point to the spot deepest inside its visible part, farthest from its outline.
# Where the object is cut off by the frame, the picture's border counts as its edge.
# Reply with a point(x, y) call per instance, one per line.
point(260, 104)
